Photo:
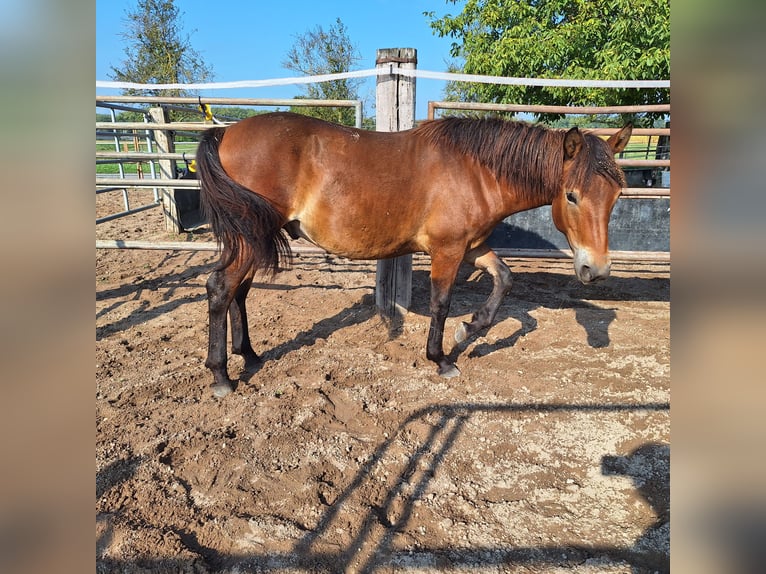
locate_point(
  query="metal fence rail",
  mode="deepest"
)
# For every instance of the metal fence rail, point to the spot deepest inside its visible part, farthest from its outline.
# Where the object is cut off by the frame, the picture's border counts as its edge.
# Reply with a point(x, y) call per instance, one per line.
point(307, 250)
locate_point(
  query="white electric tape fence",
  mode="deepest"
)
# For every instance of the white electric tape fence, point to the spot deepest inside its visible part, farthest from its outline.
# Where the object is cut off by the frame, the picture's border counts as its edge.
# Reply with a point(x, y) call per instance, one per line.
point(412, 73)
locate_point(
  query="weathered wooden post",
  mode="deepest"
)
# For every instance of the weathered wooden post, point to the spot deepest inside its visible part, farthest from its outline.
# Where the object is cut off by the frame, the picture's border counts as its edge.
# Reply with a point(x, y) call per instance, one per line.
point(166, 144)
point(395, 111)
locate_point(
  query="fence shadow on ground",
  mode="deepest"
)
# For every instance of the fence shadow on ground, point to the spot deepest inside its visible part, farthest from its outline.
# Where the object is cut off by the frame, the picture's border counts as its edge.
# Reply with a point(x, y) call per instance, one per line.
point(360, 312)
point(191, 277)
point(371, 546)
point(134, 288)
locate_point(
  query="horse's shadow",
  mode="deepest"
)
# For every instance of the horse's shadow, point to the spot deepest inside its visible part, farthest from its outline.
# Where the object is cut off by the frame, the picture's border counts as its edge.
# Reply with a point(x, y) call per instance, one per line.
point(130, 292)
point(531, 291)
point(595, 320)
point(536, 290)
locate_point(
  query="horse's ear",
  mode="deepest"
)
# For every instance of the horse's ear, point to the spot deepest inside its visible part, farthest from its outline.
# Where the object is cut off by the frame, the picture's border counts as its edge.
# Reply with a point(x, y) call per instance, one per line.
point(618, 141)
point(573, 142)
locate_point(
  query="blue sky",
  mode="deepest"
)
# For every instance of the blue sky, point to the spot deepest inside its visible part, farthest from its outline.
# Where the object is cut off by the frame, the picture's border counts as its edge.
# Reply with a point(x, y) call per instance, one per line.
point(248, 40)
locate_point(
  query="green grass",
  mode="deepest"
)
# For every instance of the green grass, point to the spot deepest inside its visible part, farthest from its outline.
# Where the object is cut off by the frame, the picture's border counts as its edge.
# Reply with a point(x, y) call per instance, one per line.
point(132, 167)
point(642, 147)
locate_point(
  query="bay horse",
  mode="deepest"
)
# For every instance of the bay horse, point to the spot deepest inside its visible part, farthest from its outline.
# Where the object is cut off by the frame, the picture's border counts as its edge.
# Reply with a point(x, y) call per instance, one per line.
point(439, 188)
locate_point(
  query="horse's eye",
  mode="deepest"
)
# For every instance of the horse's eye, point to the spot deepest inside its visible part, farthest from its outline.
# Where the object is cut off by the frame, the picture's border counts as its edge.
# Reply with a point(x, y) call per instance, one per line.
point(571, 197)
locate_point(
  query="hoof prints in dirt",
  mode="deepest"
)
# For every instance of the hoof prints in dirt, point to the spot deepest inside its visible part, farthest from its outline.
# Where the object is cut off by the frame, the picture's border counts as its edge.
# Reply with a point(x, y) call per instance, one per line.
point(346, 451)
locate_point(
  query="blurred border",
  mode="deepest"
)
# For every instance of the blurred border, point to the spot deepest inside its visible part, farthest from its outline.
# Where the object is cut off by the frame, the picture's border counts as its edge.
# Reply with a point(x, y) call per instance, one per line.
point(719, 266)
point(718, 89)
point(47, 74)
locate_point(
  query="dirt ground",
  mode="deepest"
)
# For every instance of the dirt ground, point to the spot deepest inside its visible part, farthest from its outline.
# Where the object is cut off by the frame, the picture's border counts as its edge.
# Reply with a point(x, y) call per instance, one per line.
point(346, 452)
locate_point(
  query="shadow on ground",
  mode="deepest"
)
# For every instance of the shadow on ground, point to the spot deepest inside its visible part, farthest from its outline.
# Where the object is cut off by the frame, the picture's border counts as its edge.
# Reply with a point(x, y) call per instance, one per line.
point(371, 547)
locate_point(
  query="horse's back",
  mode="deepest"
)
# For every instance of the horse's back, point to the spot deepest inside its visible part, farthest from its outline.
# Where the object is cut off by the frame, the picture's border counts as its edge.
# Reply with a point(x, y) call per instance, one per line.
point(293, 132)
point(287, 145)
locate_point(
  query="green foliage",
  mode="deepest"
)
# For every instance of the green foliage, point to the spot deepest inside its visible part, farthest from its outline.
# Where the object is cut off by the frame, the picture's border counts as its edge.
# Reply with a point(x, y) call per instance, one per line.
point(326, 52)
point(157, 53)
point(234, 113)
point(572, 39)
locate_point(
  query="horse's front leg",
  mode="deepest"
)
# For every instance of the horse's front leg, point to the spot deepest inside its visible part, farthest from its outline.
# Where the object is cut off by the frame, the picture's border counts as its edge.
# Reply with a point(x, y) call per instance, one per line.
point(222, 286)
point(443, 273)
point(485, 259)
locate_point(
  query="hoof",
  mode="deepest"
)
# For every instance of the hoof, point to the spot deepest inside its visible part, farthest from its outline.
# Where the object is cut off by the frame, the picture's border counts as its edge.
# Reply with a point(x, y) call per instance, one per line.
point(461, 333)
point(449, 372)
point(220, 390)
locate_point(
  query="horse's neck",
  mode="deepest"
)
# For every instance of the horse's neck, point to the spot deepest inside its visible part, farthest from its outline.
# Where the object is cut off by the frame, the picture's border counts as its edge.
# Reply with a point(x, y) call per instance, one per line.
point(514, 201)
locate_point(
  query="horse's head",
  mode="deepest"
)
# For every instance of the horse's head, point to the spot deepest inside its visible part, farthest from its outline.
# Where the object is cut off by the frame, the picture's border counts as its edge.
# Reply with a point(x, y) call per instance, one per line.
point(591, 184)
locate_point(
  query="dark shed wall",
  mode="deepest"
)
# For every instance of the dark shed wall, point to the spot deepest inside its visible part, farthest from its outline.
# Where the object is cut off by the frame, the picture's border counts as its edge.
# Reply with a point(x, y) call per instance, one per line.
point(635, 225)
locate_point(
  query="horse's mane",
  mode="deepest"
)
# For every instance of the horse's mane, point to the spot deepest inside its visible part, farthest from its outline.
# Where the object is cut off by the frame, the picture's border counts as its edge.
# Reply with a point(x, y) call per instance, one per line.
point(526, 156)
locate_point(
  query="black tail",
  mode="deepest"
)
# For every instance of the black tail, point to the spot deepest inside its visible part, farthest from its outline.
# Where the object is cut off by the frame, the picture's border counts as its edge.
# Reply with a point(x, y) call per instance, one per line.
point(245, 223)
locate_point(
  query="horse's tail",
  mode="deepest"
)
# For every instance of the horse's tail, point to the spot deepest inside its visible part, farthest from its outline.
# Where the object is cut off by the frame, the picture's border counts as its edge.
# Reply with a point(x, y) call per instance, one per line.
point(243, 222)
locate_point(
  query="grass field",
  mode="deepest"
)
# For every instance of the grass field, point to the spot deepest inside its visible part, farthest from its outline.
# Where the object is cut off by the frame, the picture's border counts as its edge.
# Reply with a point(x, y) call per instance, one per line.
point(640, 144)
point(132, 167)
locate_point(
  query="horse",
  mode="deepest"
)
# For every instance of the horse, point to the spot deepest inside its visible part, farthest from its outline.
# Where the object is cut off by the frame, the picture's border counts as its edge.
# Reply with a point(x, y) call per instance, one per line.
point(439, 188)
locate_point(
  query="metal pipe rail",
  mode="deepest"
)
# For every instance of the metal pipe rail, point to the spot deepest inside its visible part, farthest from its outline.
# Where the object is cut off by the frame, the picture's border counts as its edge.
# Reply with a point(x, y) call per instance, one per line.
point(108, 189)
point(194, 184)
point(271, 102)
point(146, 182)
point(142, 155)
point(145, 156)
point(618, 256)
point(106, 218)
point(227, 101)
point(645, 192)
point(172, 126)
point(544, 109)
point(108, 135)
point(110, 106)
point(643, 162)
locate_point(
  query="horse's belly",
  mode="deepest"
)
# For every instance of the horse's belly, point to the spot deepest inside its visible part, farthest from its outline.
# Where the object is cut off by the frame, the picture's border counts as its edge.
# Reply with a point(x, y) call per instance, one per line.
point(352, 242)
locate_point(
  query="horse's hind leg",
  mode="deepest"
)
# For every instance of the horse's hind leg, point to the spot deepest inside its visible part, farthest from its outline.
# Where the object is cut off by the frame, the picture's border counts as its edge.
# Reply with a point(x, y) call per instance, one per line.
point(240, 337)
point(222, 286)
point(485, 259)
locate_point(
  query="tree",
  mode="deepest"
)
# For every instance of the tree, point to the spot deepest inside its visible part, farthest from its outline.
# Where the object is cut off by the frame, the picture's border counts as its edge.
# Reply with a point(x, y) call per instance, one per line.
point(326, 52)
point(157, 53)
point(572, 39)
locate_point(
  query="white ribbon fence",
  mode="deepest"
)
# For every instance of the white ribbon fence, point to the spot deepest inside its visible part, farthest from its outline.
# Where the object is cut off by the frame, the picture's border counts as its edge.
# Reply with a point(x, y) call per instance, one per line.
point(412, 73)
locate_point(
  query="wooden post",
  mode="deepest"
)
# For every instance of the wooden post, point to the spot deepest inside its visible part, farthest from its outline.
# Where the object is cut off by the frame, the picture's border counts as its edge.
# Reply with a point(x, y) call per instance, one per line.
point(395, 111)
point(166, 144)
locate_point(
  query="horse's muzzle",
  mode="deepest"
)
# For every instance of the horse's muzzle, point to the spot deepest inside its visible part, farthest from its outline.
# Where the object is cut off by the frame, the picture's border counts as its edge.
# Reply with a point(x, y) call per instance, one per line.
point(588, 270)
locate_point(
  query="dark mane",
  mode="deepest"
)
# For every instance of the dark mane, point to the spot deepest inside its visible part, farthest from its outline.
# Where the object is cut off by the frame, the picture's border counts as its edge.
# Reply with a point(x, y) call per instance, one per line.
point(526, 156)
point(598, 160)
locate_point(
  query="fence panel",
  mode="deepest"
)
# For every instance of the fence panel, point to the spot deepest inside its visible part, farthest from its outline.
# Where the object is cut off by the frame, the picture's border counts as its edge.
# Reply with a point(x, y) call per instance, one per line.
point(646, 202)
